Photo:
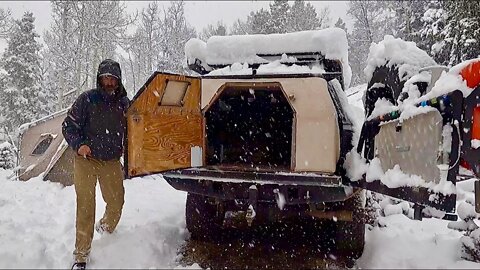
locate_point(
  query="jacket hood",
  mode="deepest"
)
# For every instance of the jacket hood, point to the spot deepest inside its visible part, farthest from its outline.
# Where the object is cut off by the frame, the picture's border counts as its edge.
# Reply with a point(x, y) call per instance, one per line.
point(112, 68)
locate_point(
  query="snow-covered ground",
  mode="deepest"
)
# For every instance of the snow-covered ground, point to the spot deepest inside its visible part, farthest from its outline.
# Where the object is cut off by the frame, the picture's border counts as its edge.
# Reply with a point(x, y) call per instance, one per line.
point(37, 228)
point(37, 231)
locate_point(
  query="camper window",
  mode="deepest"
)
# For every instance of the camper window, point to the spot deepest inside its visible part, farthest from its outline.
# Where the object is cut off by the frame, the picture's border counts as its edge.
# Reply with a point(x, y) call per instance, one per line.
point(42, 145)
point(174, 93)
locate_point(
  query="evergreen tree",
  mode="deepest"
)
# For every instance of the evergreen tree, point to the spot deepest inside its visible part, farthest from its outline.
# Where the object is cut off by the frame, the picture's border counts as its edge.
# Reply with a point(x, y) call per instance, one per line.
point(279, 14)
point(432, 32)
point(302, 17)
point(451, 28)
point(5, 23)
point(281, 18)
point(7, 156)
point(24, 98)
point(259, 22)
point(462, 30)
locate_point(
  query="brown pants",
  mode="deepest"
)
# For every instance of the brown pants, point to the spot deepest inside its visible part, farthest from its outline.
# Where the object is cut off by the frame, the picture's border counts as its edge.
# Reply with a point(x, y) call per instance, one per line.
point(110, 178)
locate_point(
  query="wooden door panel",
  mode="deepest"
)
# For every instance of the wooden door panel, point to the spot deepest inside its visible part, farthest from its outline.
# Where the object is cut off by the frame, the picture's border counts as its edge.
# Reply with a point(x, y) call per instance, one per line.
point(160, 137)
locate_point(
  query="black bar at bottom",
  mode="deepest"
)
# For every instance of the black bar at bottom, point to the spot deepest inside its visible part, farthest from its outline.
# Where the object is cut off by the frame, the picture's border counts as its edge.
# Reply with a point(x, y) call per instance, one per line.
point(418, 195)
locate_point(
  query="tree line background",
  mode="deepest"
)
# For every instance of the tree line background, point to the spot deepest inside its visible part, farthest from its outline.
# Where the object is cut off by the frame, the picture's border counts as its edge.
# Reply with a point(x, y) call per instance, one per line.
point(39, 79)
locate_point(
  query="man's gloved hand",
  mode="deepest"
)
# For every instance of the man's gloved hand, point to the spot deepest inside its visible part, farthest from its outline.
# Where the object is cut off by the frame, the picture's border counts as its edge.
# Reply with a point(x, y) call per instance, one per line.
point(84, 151)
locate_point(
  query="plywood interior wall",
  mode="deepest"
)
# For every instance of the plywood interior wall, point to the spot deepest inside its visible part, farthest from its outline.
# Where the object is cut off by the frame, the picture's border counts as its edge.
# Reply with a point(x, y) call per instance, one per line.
point(160, 137)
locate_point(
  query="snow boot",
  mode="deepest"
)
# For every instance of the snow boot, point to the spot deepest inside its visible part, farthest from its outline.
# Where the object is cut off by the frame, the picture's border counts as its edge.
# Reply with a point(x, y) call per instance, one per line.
point(79, 266)
point(100, 228)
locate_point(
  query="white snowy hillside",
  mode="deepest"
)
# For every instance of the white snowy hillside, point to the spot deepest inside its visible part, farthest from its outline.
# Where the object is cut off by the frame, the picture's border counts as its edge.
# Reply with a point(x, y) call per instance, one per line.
point(255, 49)
point(37, 228)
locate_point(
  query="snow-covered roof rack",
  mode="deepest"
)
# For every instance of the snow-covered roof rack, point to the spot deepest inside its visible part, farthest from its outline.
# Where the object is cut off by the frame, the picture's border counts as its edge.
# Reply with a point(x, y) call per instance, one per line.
point(326, 47)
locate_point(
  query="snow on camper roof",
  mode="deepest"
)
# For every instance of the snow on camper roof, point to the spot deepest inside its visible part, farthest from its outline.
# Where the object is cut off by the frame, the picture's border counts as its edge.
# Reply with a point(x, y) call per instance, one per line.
point(26, 126)
point(330, 43)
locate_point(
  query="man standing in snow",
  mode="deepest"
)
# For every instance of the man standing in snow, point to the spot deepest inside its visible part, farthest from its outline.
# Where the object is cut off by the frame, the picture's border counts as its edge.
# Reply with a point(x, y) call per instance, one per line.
point(94, 127)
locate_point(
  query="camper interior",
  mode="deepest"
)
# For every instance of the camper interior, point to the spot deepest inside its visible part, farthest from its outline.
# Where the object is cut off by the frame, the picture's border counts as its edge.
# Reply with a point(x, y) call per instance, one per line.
point(250, 126)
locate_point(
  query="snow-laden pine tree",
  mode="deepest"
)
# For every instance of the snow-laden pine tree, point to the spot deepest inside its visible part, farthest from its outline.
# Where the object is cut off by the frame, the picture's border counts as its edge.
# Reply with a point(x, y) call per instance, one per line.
point(283, 18)
point(452, 30)
point(303, 16)
point(432, 32)
point(279, 16)
point(462, 30)
point(7, 156)
point(23, 97)
point(259, 22)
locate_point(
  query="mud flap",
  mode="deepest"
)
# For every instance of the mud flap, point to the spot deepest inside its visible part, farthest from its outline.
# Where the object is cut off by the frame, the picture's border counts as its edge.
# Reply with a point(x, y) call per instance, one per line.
point(404, 147)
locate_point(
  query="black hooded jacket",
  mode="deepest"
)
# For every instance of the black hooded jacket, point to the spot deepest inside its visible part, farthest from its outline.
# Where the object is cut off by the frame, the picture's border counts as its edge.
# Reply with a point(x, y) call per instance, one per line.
point(97, 119)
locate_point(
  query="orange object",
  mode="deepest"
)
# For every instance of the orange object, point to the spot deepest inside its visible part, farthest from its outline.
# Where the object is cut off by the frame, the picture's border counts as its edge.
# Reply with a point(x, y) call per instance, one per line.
point(465, 164)
point(471, 74)
point(476, 124)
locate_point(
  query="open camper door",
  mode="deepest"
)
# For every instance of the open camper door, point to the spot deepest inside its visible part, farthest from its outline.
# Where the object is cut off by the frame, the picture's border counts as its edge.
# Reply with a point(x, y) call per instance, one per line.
point(164, 125)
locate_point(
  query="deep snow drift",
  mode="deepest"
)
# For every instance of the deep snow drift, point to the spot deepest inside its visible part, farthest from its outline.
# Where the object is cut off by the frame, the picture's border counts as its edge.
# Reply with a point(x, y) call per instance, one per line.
point(37, 226)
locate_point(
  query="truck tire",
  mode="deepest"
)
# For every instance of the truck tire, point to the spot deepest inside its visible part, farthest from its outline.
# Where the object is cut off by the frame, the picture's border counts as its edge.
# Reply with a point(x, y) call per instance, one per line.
point(350, 239)
point(201, 217)
point(350, 235)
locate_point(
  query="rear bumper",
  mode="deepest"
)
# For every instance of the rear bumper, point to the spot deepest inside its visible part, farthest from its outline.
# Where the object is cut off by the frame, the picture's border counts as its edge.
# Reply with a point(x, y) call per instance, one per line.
point(294, 188)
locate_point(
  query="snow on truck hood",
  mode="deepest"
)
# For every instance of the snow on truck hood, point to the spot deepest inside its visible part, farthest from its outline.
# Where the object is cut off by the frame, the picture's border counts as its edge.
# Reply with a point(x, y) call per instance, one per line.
point(245, 49)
